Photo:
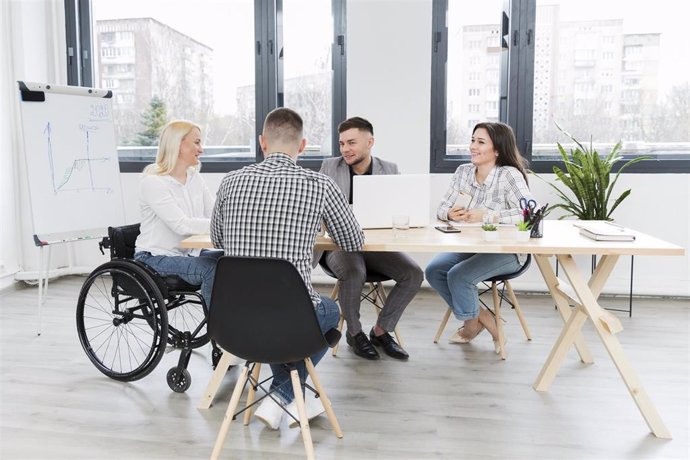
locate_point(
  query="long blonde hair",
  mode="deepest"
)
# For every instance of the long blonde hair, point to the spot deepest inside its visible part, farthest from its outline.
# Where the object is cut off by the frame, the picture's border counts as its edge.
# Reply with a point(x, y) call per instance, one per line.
point(169, 147)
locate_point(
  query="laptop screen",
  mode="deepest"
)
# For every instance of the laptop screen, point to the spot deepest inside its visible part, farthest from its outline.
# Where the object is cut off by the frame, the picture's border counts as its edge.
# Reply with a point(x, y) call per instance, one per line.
point(376, 199)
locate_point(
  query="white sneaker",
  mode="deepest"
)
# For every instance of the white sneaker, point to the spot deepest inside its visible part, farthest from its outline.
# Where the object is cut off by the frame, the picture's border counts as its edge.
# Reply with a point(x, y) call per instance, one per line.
point(313, 407)
point(270, 413)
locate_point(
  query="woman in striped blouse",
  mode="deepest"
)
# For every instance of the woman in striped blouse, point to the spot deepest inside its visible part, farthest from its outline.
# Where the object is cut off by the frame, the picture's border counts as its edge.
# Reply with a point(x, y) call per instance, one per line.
point(495, 180)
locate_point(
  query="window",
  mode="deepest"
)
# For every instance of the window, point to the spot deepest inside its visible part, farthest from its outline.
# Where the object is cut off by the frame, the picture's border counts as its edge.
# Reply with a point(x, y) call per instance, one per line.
point(473, 54)
point(610, 71)
point(308, 82)
point(224, 67)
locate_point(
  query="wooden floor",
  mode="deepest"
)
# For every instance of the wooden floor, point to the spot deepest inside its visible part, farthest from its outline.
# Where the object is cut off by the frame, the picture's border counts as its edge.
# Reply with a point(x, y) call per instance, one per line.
point(448, 401)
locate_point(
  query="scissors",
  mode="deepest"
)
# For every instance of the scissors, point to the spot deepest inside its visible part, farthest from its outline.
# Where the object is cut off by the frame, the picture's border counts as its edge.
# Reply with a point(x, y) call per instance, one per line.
point(527, 207)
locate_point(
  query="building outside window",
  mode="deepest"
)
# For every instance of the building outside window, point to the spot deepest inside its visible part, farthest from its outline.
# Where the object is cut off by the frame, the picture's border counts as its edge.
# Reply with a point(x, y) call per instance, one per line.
point(163, 63)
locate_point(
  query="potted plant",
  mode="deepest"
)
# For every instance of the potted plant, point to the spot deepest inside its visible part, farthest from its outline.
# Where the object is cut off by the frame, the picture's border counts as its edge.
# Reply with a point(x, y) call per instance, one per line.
point(588, 177)
point(523, 231)
point(490, 232)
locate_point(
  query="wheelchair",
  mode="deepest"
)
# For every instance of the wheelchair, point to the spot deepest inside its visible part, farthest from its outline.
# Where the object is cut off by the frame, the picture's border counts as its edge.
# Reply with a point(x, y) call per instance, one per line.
point(127, 314)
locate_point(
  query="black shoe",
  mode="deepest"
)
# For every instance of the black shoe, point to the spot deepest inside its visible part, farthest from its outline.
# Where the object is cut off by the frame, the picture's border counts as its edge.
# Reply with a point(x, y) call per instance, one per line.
point(361, 346)
point(389, 345)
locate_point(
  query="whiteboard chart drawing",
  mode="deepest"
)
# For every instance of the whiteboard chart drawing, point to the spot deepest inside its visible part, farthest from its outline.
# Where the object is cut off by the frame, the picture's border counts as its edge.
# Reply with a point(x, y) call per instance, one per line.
point(71, 159)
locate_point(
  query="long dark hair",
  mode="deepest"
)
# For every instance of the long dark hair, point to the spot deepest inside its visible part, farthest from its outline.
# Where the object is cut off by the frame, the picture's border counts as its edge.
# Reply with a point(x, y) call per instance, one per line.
point(503, 138)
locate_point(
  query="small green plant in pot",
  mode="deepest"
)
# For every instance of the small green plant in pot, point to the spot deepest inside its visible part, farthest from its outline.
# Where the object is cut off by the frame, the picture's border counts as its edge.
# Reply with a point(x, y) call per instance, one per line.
point(588, 176)
point(523, 226)
point(490, 232)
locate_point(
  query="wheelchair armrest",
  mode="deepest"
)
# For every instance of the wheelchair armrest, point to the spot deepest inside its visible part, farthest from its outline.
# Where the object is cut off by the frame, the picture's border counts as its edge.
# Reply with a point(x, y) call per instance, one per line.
point(332, 337)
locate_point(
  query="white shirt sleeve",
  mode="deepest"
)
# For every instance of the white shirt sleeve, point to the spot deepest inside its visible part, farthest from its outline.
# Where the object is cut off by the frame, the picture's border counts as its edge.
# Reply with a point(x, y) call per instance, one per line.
point(160, 197)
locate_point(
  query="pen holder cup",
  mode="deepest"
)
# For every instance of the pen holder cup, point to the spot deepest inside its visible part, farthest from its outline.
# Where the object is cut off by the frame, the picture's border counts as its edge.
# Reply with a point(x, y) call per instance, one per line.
point(537, 230)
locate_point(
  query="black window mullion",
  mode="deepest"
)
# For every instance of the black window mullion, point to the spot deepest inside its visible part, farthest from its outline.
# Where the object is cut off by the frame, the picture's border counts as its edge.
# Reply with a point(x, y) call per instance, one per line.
point(276, 50)
point(71, 33)
point(439, 56)
point(524, 98)
point(510, 68)
point(339, 58)
point(261, 8)
point(85, 45)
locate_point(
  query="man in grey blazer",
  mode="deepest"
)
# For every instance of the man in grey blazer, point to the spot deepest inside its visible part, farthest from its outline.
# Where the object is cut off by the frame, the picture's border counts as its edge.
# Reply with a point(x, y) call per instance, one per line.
point(356, 141)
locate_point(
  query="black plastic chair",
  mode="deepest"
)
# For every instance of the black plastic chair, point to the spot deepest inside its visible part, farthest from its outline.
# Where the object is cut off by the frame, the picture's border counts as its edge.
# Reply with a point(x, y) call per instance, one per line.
point(127, 313)
point(375, 294)
point(271, 325)
point(492, 284)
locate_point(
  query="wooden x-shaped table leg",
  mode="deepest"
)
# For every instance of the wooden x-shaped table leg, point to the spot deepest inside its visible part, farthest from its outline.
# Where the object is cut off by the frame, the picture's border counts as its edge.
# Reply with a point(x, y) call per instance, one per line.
point(606, 325)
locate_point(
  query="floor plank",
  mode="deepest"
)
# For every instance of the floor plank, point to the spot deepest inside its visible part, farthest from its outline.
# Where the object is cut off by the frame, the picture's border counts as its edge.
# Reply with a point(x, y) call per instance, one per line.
point(448, 401)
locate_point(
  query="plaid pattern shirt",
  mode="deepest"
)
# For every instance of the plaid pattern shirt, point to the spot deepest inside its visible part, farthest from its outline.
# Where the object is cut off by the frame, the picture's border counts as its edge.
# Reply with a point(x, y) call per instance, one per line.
point(500, 192)
point(275, 209)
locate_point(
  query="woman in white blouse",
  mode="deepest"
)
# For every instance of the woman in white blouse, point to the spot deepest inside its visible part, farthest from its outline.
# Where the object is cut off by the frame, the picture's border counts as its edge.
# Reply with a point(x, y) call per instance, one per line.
point(496, 181)
point(175, 203)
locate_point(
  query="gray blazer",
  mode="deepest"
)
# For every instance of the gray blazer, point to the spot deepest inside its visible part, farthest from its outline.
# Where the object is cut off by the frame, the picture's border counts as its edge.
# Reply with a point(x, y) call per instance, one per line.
point(339, 171)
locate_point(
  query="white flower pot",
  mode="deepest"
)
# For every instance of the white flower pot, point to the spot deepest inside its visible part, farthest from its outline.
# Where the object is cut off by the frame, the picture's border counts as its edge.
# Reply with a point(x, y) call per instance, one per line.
point(522, 236)
point(490, 236)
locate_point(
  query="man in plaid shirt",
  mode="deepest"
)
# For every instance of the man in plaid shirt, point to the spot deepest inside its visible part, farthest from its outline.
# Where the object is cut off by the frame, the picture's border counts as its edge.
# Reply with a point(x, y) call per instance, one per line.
point(275, 209)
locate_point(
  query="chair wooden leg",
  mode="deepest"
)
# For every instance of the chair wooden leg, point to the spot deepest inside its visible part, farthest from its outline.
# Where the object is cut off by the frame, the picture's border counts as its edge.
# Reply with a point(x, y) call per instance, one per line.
point(518, 310)
point(341, 320)
point(250, 395)
point(302, 411)
point(230, 413)
point(442, 326)
point(499, 324)
point(216, 380)
point(325, 402)
point(334, 292)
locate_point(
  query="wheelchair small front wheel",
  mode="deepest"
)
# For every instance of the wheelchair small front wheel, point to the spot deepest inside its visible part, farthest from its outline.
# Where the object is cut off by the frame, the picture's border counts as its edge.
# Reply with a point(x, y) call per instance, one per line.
point(179, 380)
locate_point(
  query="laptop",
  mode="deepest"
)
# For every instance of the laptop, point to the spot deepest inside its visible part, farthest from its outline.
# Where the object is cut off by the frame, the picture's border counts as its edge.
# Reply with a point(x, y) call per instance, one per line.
point(376, 199)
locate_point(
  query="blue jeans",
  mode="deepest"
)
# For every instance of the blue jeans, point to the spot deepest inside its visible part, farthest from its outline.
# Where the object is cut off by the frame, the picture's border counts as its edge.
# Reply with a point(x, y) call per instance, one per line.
point(194, 270)
point(455, 276)
point(328, 314)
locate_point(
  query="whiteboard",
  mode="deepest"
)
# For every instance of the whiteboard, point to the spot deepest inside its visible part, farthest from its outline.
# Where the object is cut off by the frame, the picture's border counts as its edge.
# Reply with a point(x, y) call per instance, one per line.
point(71, 160)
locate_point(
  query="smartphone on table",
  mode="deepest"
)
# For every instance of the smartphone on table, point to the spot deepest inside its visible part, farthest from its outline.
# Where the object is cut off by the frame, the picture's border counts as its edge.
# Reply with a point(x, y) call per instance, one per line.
point(447, 229)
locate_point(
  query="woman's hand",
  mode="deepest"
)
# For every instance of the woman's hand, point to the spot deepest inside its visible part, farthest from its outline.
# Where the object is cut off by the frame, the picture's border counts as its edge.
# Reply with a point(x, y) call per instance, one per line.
point(466, 215)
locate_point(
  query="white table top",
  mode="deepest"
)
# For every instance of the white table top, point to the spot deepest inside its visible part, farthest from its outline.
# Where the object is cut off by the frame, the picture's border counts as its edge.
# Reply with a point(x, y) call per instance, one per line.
point(560, 237)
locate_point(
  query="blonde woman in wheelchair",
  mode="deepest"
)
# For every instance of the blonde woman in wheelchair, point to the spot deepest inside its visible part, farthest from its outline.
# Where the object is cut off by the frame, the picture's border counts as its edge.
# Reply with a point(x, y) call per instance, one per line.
point(175, 203)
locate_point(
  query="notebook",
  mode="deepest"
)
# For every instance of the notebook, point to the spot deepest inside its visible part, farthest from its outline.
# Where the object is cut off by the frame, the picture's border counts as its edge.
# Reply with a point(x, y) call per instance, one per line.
point(604, 231)
point(376, 199)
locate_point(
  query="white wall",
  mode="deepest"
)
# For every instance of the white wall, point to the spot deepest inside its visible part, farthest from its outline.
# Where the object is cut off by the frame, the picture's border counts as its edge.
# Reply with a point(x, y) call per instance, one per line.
point(389, 59)
point(32, 44)
point(389, 76)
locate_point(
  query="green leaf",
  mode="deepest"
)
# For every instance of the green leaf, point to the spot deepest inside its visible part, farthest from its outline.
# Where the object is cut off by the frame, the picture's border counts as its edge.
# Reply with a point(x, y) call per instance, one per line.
point(587, 175)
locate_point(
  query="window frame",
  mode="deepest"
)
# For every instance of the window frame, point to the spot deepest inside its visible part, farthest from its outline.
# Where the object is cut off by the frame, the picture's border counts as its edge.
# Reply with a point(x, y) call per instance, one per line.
point(516, 94)
point(268, 71)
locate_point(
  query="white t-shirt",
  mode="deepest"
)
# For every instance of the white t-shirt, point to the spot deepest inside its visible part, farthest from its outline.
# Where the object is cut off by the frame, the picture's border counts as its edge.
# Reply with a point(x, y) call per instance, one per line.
point(172, 211)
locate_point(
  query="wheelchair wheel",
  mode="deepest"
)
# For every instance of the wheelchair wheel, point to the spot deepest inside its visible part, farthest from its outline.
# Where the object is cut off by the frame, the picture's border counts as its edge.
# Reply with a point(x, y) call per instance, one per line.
point(121, 321)
point(179, 380)
point(187, 313)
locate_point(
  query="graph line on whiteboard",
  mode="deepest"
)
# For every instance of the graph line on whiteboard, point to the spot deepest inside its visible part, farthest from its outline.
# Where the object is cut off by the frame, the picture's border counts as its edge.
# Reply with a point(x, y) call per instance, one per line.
point(81, 175)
